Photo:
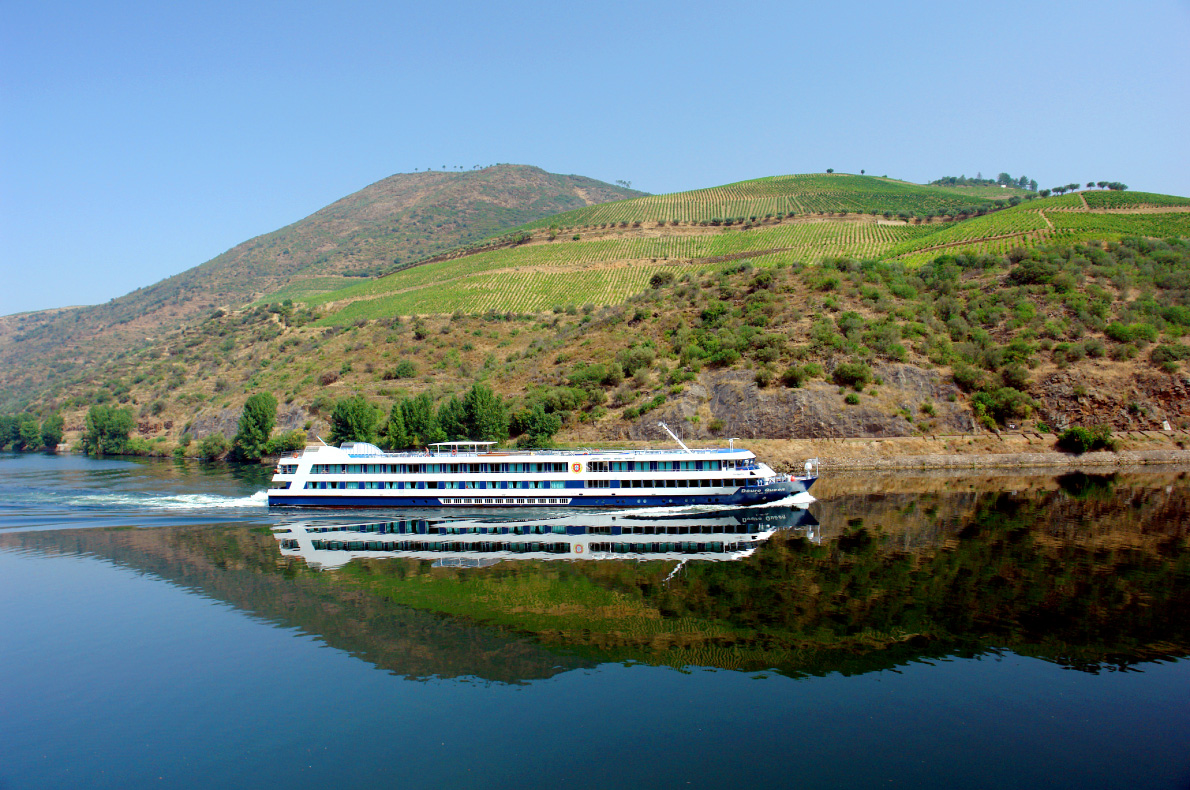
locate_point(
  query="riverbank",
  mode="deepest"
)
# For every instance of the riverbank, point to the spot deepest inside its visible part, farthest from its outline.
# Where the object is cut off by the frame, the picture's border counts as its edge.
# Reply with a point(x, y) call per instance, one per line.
point(958, 451)
point(953, 451)
point(1135, 448)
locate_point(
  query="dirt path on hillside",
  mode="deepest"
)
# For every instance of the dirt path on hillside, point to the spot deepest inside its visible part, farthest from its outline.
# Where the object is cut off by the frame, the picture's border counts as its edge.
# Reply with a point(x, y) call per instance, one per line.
point(1083, 198)
point(1047, 219)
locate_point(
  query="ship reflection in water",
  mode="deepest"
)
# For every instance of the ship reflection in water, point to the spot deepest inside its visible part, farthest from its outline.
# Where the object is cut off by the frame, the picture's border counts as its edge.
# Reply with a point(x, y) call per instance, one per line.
point(460, 541)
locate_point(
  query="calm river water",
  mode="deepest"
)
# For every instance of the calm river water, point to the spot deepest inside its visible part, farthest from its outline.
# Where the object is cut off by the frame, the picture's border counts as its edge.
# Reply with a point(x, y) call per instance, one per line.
point(160, 626)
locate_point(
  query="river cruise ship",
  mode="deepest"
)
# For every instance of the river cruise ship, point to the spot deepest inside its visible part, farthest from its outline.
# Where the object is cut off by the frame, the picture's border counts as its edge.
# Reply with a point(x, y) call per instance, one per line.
point(714, 536)
point(475, 474)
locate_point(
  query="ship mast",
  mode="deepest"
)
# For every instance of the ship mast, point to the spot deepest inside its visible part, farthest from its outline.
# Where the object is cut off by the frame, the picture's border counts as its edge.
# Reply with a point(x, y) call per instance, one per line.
point(675, 437)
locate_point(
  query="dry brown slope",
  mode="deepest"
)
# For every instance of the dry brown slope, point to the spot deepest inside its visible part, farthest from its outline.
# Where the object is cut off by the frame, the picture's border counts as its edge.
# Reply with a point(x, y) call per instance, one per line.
point(402, 217)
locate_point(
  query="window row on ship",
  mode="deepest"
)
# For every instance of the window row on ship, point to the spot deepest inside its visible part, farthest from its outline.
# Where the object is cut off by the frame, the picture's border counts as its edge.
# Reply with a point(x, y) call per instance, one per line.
point(508, 468)
point(420, 527)
point(359, 485)
point(689, 547)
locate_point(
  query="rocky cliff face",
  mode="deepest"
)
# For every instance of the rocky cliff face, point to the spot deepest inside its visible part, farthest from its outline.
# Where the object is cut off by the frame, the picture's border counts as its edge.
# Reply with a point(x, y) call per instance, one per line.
point(730, 403)
point(1139, 400)
point(290, 416)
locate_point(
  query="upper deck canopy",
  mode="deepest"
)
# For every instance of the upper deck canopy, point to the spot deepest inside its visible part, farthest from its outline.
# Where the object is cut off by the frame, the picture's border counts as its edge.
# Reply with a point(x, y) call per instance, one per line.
point(467, 447)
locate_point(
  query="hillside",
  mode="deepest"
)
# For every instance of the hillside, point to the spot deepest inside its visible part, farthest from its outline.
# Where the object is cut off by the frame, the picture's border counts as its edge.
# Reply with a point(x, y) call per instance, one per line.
point(1064, 310)
point(615, 248)
point(403, 217)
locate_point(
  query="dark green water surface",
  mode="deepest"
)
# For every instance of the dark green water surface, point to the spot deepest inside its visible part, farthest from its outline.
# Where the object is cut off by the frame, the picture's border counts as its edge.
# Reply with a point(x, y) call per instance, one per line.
point(1010, 629)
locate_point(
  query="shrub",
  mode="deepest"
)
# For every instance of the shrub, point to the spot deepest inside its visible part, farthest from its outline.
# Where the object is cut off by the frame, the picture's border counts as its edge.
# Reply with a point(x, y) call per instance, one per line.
point(967, 378)
point(794, 376)
point(213, 446)
point(851, 399)
point(1003, 404)
point(287, 442)
point(764, 377)
point(660, 279)
point(538, 427)
point(1015, 376)
point(405, 369)
point(1081, 440)
point(725, 357)
point(852, 374)
point(1163, 354)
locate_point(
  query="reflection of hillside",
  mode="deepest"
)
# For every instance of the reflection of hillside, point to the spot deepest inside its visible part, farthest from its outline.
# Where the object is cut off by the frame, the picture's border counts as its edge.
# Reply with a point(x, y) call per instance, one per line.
point(242, 567)
point(1089, 571)
point(1084, 570)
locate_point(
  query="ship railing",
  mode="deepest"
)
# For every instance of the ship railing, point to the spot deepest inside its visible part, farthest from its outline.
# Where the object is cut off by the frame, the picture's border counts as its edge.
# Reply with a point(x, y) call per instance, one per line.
point(551, 453)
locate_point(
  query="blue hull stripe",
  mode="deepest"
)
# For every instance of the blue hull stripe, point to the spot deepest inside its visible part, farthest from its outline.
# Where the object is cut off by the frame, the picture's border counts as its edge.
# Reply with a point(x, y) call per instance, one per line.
point(743, 496)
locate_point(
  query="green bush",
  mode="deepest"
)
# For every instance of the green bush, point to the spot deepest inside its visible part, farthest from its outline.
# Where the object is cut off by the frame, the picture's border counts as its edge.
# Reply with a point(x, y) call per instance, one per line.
point(106, 431)
point(287, 442)
point(213, 446)
point(1003, 404)
point(1081, 440)
point(852, 374)
point(1169, 353)
point(794, 376)
point(967, 378)
point(852, 398)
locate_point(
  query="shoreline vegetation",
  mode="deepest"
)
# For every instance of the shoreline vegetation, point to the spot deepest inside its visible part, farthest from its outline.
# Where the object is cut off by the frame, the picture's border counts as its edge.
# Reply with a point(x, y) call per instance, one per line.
point(901, 453)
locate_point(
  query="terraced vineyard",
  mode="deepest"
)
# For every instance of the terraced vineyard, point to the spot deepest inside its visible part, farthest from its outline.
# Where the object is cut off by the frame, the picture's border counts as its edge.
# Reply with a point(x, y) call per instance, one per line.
point(1071, 201)
point(1023, 219)
point(515, 291)
point(776, 195)
point(1088, 225)
point(603, 271)
point(608, 265)
point(1114, 199)
point(1070, 220)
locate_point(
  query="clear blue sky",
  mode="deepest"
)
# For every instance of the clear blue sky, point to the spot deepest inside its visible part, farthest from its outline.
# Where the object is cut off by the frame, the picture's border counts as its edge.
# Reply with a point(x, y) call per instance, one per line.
point(138, 139)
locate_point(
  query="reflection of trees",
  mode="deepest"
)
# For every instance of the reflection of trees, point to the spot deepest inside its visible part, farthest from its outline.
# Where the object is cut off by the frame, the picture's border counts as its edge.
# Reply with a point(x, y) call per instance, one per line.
point(1083, 581)
point(1090, 572)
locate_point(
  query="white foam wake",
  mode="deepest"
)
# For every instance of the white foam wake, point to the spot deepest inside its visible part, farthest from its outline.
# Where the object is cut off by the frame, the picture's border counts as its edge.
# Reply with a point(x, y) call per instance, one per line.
point(172, 501)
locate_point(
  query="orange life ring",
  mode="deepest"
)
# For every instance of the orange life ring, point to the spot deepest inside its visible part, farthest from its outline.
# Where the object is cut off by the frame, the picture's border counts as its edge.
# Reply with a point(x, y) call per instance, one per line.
point(576, 467)
point(578, 549)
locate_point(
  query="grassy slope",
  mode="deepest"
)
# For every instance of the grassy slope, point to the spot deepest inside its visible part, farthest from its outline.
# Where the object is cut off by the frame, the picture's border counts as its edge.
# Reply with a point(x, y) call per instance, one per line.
point(622, 244)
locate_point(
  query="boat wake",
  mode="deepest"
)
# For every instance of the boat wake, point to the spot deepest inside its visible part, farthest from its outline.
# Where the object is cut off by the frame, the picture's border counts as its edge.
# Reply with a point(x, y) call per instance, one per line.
point(174, 501)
